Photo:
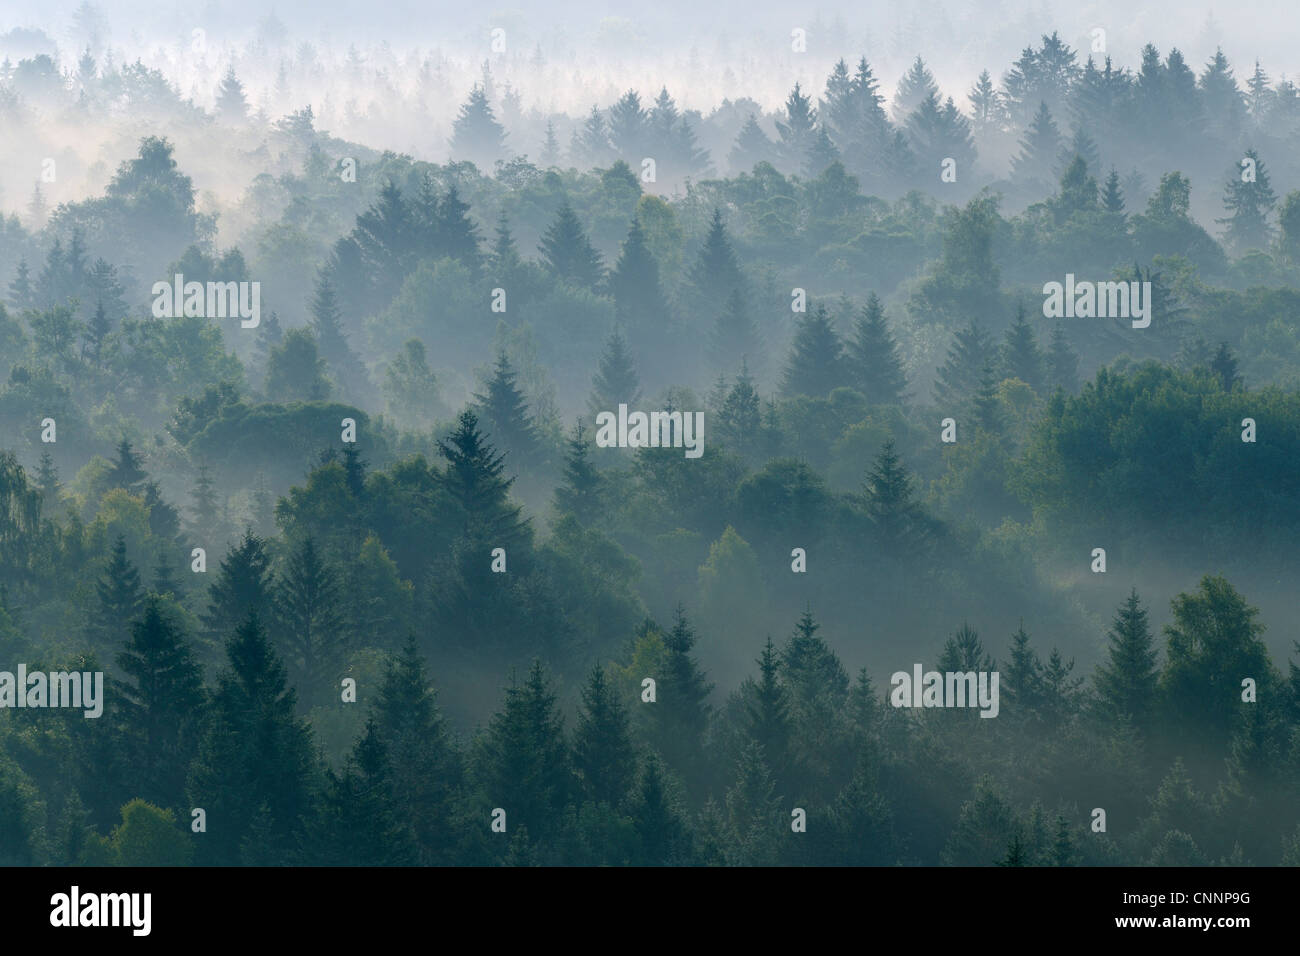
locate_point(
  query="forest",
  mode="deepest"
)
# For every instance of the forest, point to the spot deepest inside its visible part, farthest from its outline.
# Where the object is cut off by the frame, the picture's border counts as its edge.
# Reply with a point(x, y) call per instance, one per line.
point(378, 572)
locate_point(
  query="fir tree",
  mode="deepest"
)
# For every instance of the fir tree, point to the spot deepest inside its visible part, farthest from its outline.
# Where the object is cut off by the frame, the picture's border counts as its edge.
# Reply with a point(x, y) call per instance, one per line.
point(751, 147)
point(121, 597)
point(1038, 150)
point(616, 381)
point(205, 499)
point(916, 85)
point(473, 480)
point(504, 412)
point(327, 325)
point(629, 127)
point(550, 155)
point(1021, 357)
point(47, 480)
point(232, 105)
point(815, 366)
point(1249, 200)
point(871, 359)
point(739, 418)
point(960, 374)
point(161, 700)
point(767, 713)
point(1112, 197)
point(602, 744)
point(661, 832)
point(681, 714)
point(295, 370)
point(569, 253)
point(639, 302)
point(1127, 681)
point(127, 472)
point(1224, 367)
point(1062, 362)
point(476, 135)
point(735, 337)
point(254, 763)
point(798, 129)
point(987, 405)
point(716, 273)
point(888, 499)
point(582, 492)
point(308, 602)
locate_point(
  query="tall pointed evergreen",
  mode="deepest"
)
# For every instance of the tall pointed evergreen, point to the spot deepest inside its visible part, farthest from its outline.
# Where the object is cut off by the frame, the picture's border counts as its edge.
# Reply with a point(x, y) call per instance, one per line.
point(569, 253)
point(1021, 357)
point(960, 374)
point(1127, 680)
point(602, 744)
point(309, 605)
point(616, 381)
point(582, 492)
point(871, 359)
point(815, 366)
point(735, 338)
point(503, 410)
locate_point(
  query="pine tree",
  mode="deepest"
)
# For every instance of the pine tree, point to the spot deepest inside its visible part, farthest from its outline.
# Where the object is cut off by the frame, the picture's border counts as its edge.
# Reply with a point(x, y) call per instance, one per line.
point(308, 600)
point(205, 499)
point(751, 147)
point(473, 480)
point(797, 130)
point(888, 499)
point(456, 232)
point(476, 135)
point(661, 832)
point(602, 744)
point(767, 713)
point(522, 761)
point(232, 105)
point(503, 411)
point(591, 147)
point(121, 597)
point(753, 810)
point(255, 758)
point(161, 701)
point(1062, 362)
point(964, 651)
point(822, 153)
point(681, 713)
point(1127, 681)
point(327, 325)
point(959, 376)
point(583, 490)
point(735, 337)
point(815, 366)
point(716, 273)
point(550, 155)
point(1038, 150)
point(987, 405)
point(917, 84)
point(639, 301)
point(426, 766)
point(1021, 357)
point(1022, 676)
point(616, 381)
point(47, 480)
point(1259, 97)
point(629, 127)
point(986, 107)
point(569, 253)
point(871, 359)
point(1249, 201)
point(739, 418)
point(1224, 367)
point(1112, 197)
point(127, 472)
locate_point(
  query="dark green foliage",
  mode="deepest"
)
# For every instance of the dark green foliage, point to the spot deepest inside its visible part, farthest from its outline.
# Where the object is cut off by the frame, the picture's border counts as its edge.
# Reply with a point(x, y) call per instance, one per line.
point(871, 359)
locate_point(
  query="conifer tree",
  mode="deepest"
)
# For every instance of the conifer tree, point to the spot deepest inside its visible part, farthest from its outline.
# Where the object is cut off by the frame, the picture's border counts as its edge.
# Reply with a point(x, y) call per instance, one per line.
point(582, 492)
point(960, 374)
point(752, 146)
point(681, 714)
point(1062, 362)
point(735, 337)
point(47, 480)
point(917, 84)
point(127, 472)
point(522, 761)
point(569, 253)
point(661, 831)
point(205, 499)
point(1224, 367)
point(295, 370)
point(797, 130)
point(1112, 197)
point(232, 106)
point(629, 127)
point(639, 302)
point(815, 366)
point(716, 272)
point(1127, 680)
point(887, 495)
point(616, 381)
point(121, 597)
point(602, 744)
point(327, 324)
point(871, 357)
point(1249, 200)
point(476, 135)
point(1022, 676)
point(503, 410)
point(426, 766)
point(767, 713)
point(987, 405)
point(310, 623)
point(739, 418)
point(474, 481)
point(1038, 150)
point(161, 702)
point(1021, 357)
point(253, 769)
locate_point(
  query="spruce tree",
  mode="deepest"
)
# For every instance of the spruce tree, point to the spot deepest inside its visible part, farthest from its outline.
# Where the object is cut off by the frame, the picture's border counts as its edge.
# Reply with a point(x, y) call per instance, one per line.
point(751, 147)
point(232, 106)
point(629, 127)
point(616, 381)
point(475, 484)
point(127, 472)
point(681, 714)
point(1062, 362)
point(583, 490)
point(47, 480)
point(797, 130)
point(332, 340)
point(1224, 367)
point(569, 253)
point(987, 405)
point(309, 615)
point(1127, 680)
point(739, 418)
point(522, 761)
point(426, 766)
point(475, 134)
point(503, 410)
point(959, 376)
point(1112, 197)
point(716, 272)
point(871, 359)
point(1022, 676)
point(253, 769)
point(161, 701)
point(1021, 357)
point(205, 500)
point(887, 495)
point(639, 302)
point(815, 366)
point(916, 85)
point(661, 832)
point(1038, 150)
point(603, 755)
point(121, 597)
point(767, 713)
point(735, 338)
point(1249, 200)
